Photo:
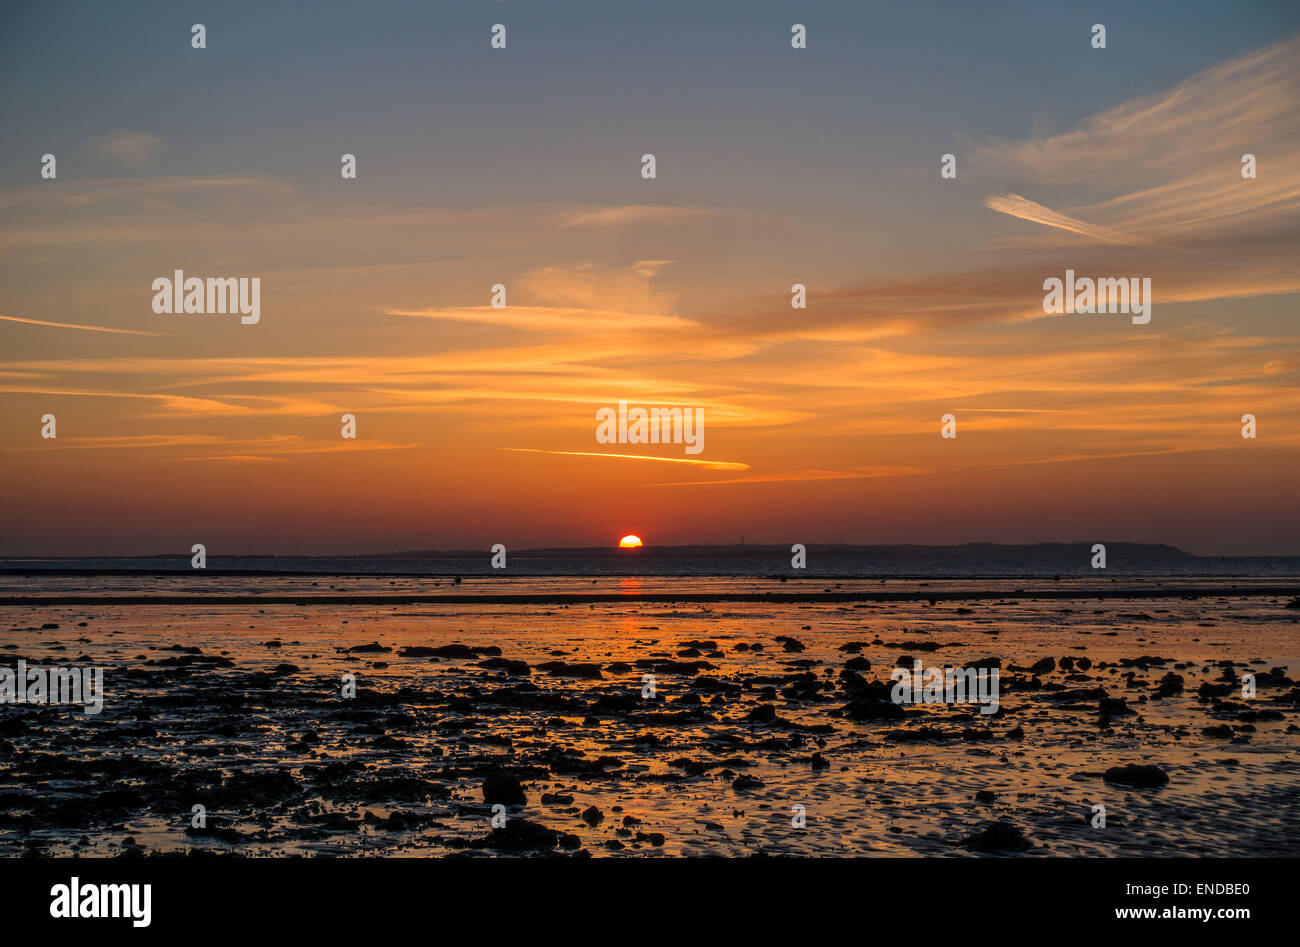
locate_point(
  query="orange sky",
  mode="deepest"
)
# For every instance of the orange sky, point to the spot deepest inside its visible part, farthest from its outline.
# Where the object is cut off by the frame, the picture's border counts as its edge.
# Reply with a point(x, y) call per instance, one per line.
point(476, 425)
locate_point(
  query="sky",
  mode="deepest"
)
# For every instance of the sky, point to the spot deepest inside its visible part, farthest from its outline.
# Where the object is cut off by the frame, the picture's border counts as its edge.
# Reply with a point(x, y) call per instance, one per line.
point(522, 166)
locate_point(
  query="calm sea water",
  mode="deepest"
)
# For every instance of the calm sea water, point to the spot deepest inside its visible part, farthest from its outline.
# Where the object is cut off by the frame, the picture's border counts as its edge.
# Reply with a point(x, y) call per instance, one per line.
point(1072, 561)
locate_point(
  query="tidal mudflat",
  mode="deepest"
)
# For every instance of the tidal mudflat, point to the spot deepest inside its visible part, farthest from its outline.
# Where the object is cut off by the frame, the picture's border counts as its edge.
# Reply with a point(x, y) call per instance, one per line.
point(760, 712)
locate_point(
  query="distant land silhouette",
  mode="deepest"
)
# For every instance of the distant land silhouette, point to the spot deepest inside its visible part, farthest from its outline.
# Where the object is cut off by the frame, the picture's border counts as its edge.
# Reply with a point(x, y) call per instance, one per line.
point(1045, 560)
point(1037, 553)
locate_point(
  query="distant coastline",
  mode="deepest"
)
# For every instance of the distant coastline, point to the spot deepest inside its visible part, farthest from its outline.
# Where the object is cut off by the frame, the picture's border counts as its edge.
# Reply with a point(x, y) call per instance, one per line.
point(828, 561)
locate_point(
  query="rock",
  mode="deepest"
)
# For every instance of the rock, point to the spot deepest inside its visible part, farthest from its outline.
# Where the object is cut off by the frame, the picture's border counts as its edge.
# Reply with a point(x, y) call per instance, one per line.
point(1169, 685)
point(592, 816)
point(1143, 776)
point(869, 708)
point(790, 644)
point(1045, 666)
point(516, 668)
point(501, 787)
point(373, 648)
point(1116, 707)
point(868, 700)
point(744, 781)
point(615, 704)
point(1274, 678)
point(986, 796)
point(1146, 662)
point(999, 836)
point(520, 835)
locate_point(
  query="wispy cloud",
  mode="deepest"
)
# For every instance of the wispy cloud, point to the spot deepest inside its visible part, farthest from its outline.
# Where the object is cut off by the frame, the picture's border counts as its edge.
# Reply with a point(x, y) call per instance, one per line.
point(201, 446)
point(651, 268)
point(796, 476)
point(149, 191)
point(70, 325)
point(221, 406)
point(549, 318)
point(1016, 206)
point(1142, 180)
point(705, 464)
point(629, 213)
point(132, 149)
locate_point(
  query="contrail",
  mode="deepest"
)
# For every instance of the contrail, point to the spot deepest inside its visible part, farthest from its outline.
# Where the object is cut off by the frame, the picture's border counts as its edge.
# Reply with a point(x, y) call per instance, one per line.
point(707, 464)
point(1022, 207)
point(70, 325)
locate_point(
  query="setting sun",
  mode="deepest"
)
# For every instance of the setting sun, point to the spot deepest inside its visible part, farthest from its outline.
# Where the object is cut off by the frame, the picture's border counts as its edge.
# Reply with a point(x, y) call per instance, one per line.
point(630, 542)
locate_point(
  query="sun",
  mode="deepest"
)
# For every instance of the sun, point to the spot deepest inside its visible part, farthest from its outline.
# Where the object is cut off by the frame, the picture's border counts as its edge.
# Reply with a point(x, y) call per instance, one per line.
point(630, 541)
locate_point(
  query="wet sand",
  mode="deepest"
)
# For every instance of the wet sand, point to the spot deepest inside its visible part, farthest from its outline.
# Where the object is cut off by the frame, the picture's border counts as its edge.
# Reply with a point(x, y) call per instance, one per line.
point(759, 707)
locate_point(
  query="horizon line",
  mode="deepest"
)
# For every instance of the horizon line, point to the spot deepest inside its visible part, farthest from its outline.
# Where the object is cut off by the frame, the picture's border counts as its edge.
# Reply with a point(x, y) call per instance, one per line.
point(615, 551)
